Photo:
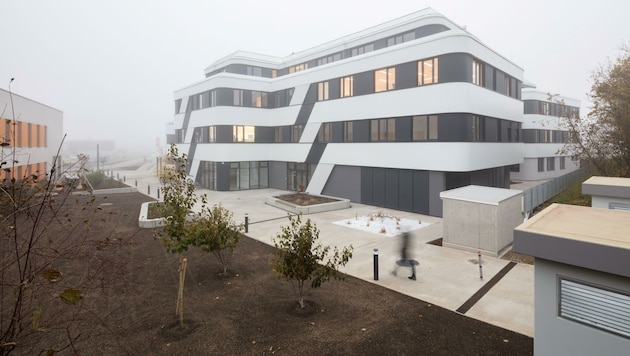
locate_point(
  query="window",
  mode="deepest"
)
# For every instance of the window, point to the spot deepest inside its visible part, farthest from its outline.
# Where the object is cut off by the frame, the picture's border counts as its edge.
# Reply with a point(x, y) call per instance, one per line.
point(541, 165)
point(329, 59)
point(298, 68)
point(346, 86)
point(408, 36)
point(384, 79)
point(425, 128)
point(278, 134)
point(243, 134)
point(562, 162)
point(551, 163)
point(238, 97)
point(212, 134)
point(259, 99)
point(428, 71)
point(348, 131)
point(477, 128)
point(324, 135)
point(362, 49)
point(508, 87)
point(383, 130)
point(296, 132)
point(545, 108)
point(477, 72)
point(322, 91)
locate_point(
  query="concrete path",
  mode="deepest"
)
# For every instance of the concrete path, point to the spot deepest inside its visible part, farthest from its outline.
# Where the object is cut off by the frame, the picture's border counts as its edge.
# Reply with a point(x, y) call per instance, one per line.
point(445, 277)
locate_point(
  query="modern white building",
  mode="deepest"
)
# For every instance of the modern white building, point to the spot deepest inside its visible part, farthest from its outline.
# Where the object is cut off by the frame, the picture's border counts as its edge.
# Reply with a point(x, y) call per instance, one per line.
point(31, 134)
point(545, 135)
point(389, 116)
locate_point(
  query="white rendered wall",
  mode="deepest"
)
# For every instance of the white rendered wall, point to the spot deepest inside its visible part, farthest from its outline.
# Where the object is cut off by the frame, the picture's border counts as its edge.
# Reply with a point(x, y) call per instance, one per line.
point(603, 202)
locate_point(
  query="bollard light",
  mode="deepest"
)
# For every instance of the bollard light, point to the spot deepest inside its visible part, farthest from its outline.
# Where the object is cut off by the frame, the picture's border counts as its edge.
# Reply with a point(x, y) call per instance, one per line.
point(148, 190)
point(246, 223)
point(376, 264)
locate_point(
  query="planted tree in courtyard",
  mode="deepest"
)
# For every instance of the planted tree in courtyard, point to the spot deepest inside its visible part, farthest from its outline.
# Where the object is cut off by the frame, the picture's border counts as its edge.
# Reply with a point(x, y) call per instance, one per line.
point(178, 201)
point(602, 138)
point(299, 259)
point(215, 231)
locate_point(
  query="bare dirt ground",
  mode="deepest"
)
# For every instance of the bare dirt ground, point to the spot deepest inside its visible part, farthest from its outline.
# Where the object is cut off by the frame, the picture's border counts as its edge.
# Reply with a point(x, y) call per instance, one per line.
point(250, 312)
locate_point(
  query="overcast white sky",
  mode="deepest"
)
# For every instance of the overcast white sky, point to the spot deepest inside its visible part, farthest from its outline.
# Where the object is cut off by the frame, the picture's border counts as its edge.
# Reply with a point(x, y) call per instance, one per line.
point(112, 66)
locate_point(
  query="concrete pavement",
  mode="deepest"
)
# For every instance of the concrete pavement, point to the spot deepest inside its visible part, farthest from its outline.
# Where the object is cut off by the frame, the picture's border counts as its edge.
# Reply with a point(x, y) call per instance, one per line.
point(445, 277)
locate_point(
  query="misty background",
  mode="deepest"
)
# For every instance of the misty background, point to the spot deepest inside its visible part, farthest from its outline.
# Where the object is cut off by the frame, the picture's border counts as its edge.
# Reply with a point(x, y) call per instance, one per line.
point(112, 67)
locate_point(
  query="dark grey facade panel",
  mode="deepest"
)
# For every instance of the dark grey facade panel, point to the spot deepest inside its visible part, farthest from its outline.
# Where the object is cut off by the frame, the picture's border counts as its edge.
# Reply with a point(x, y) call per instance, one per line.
point(430, 30)
point(456, 179)
point(378, 186)
point(361, 131)
point(405, 190)
point(225, 97)
point(286, 134)
point(344, 182)
point(403, 129)
point(311, 94)
point(223, 176)
point(337, 132)
point(500, 82)
point(334, 88)
point(455, 67)
point(455, 127)
point(420, 194)
point(407, 75)
point(316, 152)
point(391, 188)
point(366, 186)
point(278, 175)
point(530, 135)
point(380, 44)
point(436, 185)
point(247, 98)
point(304, 114)
point(363, 83)
point(171, 139)
point(480, 177)
point(224, 134)
point(265, 134)
point(188, 113)
point(491, 129)
point(488, 80)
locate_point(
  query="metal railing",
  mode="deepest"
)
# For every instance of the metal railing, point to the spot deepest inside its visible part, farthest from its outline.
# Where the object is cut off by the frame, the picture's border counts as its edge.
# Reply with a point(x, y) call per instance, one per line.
point(539, 194)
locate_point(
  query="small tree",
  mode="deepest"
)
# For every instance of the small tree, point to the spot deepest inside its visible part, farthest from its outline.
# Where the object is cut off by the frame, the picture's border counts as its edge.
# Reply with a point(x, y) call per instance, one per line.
point(299, 259)
point(178, 200)
point(216, 232)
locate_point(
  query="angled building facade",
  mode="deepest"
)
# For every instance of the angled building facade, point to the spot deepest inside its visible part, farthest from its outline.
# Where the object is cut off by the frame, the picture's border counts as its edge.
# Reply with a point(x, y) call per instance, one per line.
point(389, 116)
point(545, 135)
point(31, 134)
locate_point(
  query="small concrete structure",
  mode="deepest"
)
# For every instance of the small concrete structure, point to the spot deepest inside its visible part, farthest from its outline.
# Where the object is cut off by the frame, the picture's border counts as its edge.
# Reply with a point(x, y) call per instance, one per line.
point(608, 192)
point(478, 218)
point(582, 279)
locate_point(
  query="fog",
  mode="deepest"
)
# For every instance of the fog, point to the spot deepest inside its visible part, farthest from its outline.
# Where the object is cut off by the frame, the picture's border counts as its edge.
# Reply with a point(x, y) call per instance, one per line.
point(112, 67)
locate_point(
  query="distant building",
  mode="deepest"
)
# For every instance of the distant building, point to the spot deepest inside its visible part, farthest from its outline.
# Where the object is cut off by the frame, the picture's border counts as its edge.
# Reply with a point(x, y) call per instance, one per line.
point(545, 135)
point(389, 116)
point(31, 134)
point(105, 150)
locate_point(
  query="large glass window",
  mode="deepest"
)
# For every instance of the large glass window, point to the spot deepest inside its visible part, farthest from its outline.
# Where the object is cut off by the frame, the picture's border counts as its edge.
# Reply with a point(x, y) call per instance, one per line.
point(477, 128)
point(384, 79)
point(322, 91)
point(243, 134)
point(383, 130)
point(562, 163)
point(428, 71)
point(347, 86)
point(238, 97)
point(348, 134)
point(551, 163)
point(249, 175)
point(259, 99)
point(278, 134)
point(477, 72)
point(425, 127)
point(324, 133)
point(541, 165)
point(296, 133)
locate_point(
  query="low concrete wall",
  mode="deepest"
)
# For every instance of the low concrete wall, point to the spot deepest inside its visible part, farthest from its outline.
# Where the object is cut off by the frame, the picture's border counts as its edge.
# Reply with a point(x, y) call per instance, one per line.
point(146, 223)
point(114, 191)
point(308, 209)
